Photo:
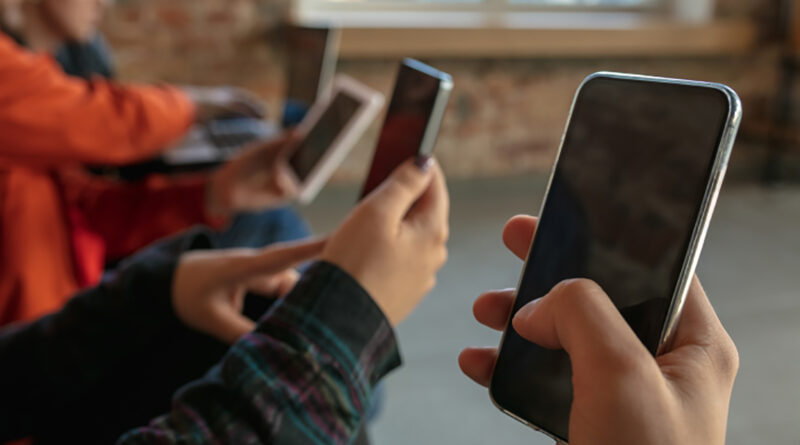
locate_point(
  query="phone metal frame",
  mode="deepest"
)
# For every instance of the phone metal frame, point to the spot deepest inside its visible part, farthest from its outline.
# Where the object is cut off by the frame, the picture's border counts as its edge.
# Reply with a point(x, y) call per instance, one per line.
point(711, 194)
point(431, 133)
point(370, 104)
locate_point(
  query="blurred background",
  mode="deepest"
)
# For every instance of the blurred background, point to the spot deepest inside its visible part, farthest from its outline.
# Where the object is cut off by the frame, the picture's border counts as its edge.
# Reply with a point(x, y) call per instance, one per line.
point(516, 65)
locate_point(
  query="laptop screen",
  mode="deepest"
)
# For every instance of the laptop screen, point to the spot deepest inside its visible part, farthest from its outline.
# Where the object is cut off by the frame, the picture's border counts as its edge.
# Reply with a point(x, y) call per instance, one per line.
point(311, 62)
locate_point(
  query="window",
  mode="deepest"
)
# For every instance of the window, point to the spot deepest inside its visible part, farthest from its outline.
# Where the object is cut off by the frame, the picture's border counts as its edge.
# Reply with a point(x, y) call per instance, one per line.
point(584, 3)
point(448, 13)
point(510, 29)
point(550, 5)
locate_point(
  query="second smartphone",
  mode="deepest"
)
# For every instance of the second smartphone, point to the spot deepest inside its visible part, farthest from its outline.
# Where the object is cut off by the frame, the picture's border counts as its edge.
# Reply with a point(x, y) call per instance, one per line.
point(412, 121)
point(628, 206)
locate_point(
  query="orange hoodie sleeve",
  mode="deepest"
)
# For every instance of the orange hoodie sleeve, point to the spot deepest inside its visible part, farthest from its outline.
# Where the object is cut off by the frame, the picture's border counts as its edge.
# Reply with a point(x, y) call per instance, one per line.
point(48, 118)
point(128, 216)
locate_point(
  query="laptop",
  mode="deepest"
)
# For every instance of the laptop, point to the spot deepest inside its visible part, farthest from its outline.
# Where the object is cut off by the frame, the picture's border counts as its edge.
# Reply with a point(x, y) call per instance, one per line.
point(311, 53)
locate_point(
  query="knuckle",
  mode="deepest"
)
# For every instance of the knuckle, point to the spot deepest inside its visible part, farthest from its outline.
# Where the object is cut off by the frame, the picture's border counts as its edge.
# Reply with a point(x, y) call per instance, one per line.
point(431, 284)
point(371, 210)
point(727, 358)
point(442, 234)
point(403, 180)
point(372, 214)
point(627, 362)
point(583, 286)
point(577, 293)
point(443, 257)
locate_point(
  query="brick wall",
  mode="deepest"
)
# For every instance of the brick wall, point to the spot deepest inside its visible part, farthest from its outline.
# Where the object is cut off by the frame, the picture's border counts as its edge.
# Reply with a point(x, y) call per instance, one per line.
point(506, 116)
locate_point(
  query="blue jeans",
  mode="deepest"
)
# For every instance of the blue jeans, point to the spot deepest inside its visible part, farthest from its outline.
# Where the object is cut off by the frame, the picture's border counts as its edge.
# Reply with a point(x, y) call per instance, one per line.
point(264, 228)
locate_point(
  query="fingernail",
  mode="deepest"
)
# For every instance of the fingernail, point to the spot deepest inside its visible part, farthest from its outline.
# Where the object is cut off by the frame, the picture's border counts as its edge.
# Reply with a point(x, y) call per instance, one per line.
point(526, 311)
point(423, 162)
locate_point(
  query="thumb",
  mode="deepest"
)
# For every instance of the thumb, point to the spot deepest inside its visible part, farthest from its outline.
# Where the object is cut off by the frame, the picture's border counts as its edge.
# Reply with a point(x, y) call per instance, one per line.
point(579, 317)
point(401, 189)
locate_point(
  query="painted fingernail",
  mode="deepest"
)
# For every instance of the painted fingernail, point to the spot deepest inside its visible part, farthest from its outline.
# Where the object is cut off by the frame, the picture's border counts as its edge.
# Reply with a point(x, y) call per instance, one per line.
point(527, 310)
point(423, 162)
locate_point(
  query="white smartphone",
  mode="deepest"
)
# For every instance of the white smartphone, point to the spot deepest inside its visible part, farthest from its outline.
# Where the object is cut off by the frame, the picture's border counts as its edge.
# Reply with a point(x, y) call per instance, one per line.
point(628, 206)
point(329, 131)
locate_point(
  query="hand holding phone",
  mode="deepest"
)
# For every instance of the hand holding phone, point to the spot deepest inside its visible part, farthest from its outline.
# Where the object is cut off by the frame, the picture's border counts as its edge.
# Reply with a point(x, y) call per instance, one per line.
point(394, 242)
point(623, 395)
point(328, 133)
point(628, 206)
point(253, 180)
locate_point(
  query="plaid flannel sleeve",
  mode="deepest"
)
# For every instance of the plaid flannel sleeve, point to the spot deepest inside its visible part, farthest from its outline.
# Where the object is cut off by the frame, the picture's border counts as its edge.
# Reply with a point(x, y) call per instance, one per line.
point(305, 375)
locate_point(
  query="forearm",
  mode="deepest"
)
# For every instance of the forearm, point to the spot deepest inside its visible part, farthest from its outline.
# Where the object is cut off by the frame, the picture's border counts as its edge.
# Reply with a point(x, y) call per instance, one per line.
point(304, 375)
point(51, 363)
point(49, 118)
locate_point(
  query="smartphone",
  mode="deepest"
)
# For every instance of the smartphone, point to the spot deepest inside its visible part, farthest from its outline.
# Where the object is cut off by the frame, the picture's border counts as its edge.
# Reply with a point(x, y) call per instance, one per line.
point(327, 134)
point(311, 55)
point(412, 121)
point(628, 206)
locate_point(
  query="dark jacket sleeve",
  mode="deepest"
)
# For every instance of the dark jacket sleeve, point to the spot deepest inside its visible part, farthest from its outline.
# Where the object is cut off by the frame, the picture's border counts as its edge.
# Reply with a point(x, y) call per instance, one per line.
point(305, 375)
point(55, 361)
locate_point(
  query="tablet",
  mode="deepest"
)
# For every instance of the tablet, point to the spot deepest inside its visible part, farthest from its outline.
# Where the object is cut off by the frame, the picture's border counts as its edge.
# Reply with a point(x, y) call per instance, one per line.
point(328, 133)
point(412, 122)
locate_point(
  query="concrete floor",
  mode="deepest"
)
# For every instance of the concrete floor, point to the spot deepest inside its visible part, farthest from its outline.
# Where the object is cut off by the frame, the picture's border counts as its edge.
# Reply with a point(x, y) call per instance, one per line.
point(750, 268)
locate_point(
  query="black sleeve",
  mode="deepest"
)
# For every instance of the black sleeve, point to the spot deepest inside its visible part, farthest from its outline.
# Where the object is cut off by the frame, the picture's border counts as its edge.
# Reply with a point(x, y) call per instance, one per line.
point(53, 362)
point(305, 375)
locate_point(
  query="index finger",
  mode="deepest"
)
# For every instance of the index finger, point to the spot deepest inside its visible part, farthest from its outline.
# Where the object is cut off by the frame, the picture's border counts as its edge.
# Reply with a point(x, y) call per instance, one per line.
point(285, 256)
point(400, 191)
point(518, 234)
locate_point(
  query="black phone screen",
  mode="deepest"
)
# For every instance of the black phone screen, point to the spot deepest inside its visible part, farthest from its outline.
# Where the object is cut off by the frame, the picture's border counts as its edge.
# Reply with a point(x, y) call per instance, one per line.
point(621, 209)
point(322, 135)
point(407, 118)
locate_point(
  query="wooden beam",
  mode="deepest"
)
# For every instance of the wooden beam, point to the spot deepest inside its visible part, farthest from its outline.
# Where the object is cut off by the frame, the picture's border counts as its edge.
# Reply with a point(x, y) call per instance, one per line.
point(659, 39)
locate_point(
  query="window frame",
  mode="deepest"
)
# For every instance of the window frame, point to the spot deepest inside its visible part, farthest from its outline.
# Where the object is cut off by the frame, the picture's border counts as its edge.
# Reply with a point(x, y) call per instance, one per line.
point(508, 31)
point(302, 8)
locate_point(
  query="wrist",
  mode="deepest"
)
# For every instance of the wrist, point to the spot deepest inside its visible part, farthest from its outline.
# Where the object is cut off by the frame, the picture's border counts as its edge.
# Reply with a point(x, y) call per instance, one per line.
point(331, 297)
point(362, 277)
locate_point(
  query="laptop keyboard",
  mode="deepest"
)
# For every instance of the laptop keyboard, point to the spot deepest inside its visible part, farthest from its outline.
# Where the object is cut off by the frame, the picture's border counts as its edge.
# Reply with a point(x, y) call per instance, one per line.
point(218, 141)
point(230, 135)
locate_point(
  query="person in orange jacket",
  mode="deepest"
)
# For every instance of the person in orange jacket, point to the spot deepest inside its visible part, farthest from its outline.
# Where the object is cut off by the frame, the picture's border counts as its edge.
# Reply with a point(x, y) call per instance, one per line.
point(58, 224)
